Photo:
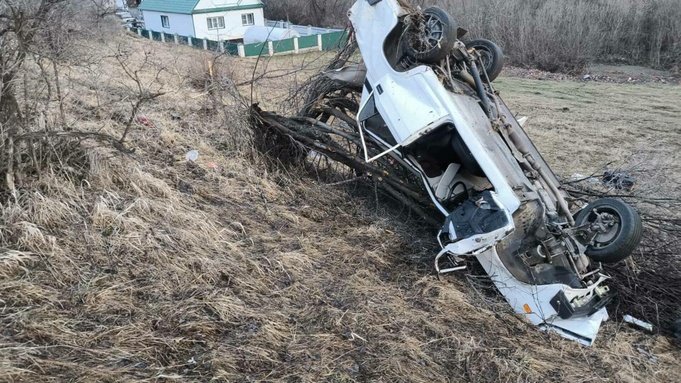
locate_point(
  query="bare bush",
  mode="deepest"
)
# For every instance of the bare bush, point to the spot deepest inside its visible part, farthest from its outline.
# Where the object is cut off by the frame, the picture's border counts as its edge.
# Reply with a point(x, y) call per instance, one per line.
point(41, 42)
point(554, 35)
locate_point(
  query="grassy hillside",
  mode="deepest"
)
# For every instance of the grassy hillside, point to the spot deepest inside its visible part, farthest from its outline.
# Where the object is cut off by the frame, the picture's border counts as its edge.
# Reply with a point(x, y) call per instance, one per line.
point(149, 267)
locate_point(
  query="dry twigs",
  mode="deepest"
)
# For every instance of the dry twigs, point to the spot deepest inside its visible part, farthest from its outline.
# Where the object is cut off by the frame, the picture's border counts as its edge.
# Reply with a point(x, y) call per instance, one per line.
point(649, 285)
point(325, 136)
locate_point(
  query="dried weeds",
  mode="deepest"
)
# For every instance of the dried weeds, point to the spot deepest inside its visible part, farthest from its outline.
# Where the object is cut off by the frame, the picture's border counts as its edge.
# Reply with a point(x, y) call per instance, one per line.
point(154, 268)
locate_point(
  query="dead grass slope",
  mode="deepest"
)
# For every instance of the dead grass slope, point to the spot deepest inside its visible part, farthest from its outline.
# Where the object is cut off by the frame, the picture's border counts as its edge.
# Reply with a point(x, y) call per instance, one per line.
point(155, 269)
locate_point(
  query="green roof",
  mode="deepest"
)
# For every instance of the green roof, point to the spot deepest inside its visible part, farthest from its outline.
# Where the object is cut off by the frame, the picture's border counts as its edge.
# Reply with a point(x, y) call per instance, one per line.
point(171, 6)
point(187, 6)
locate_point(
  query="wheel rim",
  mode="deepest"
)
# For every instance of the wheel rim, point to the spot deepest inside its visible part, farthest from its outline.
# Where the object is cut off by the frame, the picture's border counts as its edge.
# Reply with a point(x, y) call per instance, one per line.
point(428, 35)
point(606, 223)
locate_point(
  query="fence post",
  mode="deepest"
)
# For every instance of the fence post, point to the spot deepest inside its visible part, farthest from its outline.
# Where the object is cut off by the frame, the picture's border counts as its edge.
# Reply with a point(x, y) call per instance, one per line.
point(309, 30)
point(221, 46)
point(270, 48)
point(241, 50)
point(296, 47)
point(319, 43)
point(189, 41)
point(163, 37)
point(205, 44)
point(151, 35)
point(177, 39)
point(139, 31)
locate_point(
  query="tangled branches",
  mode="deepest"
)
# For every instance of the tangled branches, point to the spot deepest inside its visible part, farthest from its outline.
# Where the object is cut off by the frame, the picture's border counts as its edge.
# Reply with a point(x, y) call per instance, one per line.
point(325, 136)
point(648, 285)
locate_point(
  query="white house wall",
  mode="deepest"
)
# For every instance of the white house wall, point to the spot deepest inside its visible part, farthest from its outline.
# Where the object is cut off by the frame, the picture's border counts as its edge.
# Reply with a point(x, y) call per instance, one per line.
point(209, 4)
point(180, 24)
point(234, 28)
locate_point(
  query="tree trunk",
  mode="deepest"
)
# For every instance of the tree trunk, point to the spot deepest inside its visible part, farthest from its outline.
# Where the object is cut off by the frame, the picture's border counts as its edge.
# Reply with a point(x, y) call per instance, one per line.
point(60, 100)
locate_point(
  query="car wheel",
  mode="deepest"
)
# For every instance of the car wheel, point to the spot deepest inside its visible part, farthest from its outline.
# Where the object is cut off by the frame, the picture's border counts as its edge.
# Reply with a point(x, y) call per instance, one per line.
point(491, 55)
point(617, 227)
point(430, 40)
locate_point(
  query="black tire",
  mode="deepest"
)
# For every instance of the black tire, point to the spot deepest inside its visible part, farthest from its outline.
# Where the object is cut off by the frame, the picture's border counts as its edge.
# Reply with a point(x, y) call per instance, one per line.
point(623, 236)
point(441, 34)
point(491, 55)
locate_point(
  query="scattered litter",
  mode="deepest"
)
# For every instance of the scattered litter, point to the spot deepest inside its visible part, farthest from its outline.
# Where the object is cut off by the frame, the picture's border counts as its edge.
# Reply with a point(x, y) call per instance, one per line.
point(349, 335)
point(638, 323)
point(212, 165)
point(192, 155)
point(145, 121)
point(586, 77)
point(582, 177)
point(619, 180)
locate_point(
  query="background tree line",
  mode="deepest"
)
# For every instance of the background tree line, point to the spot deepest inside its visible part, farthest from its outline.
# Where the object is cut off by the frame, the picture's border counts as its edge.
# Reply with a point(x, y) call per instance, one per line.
point(554, 35)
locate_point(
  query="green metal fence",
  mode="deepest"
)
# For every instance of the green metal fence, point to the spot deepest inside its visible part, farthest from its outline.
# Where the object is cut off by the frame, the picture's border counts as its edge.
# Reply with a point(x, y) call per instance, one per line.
point(282, 46)
point(306, 42)
point(213, 45)
point(333, 40)
point(231, 48)
point(255, 49)
point(328, 41)
point(197, 43)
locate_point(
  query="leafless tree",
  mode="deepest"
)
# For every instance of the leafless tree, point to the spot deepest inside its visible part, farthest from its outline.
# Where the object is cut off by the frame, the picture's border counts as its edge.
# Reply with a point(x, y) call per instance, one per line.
point(143, 91)
point(40, 39)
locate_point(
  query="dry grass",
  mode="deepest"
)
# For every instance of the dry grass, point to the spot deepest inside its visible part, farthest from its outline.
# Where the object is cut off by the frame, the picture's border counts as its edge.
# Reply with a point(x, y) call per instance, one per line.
point(156, 269)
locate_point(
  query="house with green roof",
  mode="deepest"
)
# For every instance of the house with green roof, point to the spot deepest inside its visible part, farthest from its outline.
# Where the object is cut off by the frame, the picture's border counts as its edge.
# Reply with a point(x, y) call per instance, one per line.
point(209, 19)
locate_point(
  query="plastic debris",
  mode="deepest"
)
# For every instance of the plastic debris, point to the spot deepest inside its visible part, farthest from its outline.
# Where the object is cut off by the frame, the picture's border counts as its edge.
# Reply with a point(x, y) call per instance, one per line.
point(145, 121)
point(638, 323)
point(582, 177)
point(212, 165)
point(192, 155)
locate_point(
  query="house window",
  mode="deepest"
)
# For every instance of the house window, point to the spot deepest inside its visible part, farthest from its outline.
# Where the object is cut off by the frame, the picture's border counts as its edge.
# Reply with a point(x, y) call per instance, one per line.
point(216, 22)
point(165, 21)
point(247, 19)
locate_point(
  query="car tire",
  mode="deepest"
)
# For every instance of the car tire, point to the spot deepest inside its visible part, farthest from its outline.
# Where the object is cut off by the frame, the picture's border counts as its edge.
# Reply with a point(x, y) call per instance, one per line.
point(442, 33)
point(621, 239)
point(491, 55)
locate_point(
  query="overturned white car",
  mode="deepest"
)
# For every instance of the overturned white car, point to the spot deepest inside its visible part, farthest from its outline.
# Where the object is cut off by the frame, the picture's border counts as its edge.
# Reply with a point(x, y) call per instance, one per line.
point(428, 100)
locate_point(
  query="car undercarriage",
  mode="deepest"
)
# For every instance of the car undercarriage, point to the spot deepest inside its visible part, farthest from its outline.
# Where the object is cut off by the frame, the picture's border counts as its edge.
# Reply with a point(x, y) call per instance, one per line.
point(421, 107)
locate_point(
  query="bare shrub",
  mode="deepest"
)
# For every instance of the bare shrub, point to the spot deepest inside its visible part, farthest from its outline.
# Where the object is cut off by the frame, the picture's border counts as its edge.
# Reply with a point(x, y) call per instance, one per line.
point(554, 35)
